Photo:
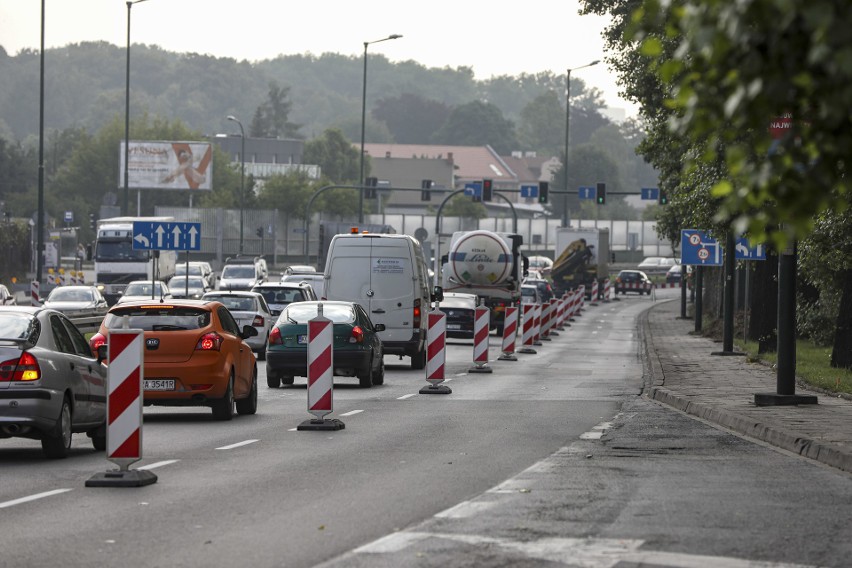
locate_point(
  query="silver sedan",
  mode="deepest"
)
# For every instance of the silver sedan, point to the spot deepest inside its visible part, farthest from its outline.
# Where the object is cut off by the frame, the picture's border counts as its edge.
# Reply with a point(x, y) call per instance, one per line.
point(51, 385)
point(248, 308)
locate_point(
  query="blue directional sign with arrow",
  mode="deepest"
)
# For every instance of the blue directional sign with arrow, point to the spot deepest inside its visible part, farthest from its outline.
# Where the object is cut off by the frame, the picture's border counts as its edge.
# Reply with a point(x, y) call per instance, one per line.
point(473, 189)
point(698, 248)
point(529, 191)
point(744, 252)
point(585, 192)
point(650, 193)
point(155, 235)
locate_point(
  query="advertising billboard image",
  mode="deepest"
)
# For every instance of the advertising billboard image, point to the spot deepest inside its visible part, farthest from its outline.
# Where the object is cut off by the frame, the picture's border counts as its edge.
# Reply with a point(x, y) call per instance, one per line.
point(167, 165)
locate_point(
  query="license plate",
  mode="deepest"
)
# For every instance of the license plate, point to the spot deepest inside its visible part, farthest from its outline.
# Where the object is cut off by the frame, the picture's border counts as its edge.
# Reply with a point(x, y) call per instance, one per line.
point(302, 339)
point(159, 384)
point(453, 326)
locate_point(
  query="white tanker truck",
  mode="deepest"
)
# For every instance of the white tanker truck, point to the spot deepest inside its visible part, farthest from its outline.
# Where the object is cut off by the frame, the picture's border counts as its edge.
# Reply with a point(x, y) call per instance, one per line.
point(489, 265)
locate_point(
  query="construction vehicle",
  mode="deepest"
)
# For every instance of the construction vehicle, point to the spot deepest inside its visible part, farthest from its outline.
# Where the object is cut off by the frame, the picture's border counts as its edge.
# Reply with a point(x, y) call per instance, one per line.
point(582, 255)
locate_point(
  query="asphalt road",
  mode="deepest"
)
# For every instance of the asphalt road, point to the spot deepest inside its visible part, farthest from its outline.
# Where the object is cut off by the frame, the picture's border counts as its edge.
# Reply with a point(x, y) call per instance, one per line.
point(552, 460)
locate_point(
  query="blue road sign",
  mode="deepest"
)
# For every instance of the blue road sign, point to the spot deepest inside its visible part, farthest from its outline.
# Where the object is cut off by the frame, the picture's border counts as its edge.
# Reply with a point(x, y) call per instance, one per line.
point(744, 252)
point(529, 191)
point(473, 189)
point(148, 235)
point(697, 248)
point(585, 192)
point(652, 193)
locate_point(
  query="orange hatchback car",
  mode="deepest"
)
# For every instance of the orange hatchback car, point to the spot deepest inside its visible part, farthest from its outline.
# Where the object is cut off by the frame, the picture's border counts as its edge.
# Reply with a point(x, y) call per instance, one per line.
point(195, 354)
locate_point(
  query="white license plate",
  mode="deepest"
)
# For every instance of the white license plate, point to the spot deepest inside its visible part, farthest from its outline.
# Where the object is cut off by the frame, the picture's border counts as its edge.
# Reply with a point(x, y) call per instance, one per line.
point(302, 339)
point(159, 384)
point(453, 326)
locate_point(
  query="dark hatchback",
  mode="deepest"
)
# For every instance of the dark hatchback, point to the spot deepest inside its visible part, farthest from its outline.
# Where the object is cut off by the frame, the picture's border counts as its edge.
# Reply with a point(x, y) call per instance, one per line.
point(460, 310)
point(633, 281)
point(356, 348)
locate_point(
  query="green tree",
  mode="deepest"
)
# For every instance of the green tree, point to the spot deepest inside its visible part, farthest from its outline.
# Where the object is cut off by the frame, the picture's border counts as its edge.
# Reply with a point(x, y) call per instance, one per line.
point(411, 118)
point(477, 124)
point(541, 127)
point(336, 155)
point(463, 206)
point(587, 165)
point(288, 193)
point(271, 119)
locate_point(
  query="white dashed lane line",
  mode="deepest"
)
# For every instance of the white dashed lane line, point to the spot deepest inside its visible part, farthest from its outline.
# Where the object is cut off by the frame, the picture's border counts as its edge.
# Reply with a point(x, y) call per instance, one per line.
point(352, 413)
point(406, 396)
point(238, 444)
point(35, 497)
point(155, 465)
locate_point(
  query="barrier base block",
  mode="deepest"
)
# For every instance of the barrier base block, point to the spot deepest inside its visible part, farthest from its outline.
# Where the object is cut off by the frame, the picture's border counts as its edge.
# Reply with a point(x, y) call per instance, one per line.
point(119, 478)
point(480, 369)
point(436, 389)
point(774, 399)
point(554, 334)
point(507, 357)
point(527, 351)
point(323, 424)
point(728, 353)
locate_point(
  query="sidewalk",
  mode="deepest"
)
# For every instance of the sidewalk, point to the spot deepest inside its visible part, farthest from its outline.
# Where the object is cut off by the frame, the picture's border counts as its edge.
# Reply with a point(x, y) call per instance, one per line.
point(684, 374)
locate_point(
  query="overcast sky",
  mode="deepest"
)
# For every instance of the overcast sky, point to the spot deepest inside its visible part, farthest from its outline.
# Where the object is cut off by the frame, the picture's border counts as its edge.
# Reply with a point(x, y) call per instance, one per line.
point(493, 38)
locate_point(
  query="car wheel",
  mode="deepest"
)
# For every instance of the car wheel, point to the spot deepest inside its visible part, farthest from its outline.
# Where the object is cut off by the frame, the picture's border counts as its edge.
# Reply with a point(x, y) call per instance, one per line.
point(273, 381)
point(418, 360)
point(379, 375)
point(248, 405)
point(98, 436)
point(365, 378)
point(223, 409)
point(261, 355)
point(287, 380)
point(56, 444)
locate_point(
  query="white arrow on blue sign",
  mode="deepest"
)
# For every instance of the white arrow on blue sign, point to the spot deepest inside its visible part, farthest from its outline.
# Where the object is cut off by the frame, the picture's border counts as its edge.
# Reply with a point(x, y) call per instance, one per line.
point(743, 251)
point(585, 192)
point(698, 248)
point(529, 191)
point(651, 193)
point(473, 189)
point(148, 235)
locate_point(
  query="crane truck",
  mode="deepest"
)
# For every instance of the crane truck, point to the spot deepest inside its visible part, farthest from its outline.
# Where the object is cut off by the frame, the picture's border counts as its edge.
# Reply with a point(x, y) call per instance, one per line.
point(582, 256)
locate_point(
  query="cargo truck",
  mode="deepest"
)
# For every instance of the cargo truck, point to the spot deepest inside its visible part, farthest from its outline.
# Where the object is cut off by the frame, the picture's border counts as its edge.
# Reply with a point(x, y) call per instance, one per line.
point(582, 256)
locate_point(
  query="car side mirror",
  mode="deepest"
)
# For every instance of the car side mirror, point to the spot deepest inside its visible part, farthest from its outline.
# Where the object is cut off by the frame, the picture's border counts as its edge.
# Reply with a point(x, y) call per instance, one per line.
point(379, 326)
point(102, 353)
point(248, 331)
point(275, 312)
point(438, 294)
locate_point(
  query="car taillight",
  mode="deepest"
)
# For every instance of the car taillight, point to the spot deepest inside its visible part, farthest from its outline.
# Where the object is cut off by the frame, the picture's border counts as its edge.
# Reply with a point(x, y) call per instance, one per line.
point(275, 337)
point(417, 312)
point(96, 341)
point(358, 334)
point(258, 321)
point(209, 342)
point(24, 368)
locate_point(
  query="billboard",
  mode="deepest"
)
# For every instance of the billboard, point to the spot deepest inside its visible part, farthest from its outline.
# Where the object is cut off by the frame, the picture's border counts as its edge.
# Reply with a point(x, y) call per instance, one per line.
point(167, 165)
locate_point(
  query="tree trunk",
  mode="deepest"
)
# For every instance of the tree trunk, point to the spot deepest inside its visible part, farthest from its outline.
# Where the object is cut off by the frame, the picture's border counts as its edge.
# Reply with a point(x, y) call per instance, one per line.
point(763, 315)
point(841, 355)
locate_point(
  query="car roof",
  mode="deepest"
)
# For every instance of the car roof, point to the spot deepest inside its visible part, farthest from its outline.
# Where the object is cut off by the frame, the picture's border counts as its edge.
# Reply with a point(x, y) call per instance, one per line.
point(289, 284)
point(171, 302)
point(244, 293)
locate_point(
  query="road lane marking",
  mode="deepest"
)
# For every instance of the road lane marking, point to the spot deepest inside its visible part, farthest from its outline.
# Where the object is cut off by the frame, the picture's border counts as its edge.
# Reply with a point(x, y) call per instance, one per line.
point(465, 509)
point(591, 435)
point(352, 413)
point(238, 444)
point(405, 396)
point(35, 497)
point(157, 464)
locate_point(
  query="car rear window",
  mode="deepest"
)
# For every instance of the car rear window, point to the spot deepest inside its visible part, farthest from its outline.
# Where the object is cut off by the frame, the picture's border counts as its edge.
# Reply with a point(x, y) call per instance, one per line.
point(302, 312)
point(159, 318)
point(18, 326)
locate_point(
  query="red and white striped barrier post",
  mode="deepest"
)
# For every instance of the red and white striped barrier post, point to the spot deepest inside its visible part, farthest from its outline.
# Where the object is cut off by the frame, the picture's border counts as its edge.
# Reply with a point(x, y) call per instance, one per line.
point(481, 328)
point(544, 331)
point(320, 375)
point(595, 292)
point(35, 299)
point(436, 353)
point(537, 325)
point(528, 331)
point(607, 290)
point(553, 323)
point(582, 300)
point(510, 334)
point(124, 411)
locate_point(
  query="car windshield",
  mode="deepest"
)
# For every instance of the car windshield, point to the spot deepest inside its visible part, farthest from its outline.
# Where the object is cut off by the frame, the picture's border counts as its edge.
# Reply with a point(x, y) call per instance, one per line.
point(234, 303)
point(17, 326)
point(142, 289)
point(70, 295)
point(159, 318)
point(280, 296)
point(180, 270)
point(180, 282)
point(111, 251)
point(238, 272)
point(302, 312)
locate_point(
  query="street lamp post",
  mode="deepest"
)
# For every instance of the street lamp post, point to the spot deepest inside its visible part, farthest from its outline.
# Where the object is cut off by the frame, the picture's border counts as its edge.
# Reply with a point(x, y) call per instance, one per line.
point(363, 120)
point(126, 204)
point(567, 125)
point(242, 176)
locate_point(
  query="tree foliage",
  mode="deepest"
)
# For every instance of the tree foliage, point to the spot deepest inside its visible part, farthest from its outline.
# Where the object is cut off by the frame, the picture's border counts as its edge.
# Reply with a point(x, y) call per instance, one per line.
point(410, 118)
point(271, 119)
point(336, 156)
point(476, 124)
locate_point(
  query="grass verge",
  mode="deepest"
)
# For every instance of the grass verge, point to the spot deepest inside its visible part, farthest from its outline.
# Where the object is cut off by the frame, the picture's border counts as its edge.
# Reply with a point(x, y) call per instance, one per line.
point(813, 365)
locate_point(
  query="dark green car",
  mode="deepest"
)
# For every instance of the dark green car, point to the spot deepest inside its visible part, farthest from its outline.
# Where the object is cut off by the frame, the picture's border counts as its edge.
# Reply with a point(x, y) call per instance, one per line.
point(356, 348)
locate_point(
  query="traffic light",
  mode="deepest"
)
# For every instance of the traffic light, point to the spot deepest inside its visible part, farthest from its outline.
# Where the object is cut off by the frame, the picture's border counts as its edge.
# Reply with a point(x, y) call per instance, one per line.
point(601, 194)
point(259, 232)
point(663, 198)
point(92, 221)
point(370, 191)
point(543, 190)
point(425, 186)
point(487, 190)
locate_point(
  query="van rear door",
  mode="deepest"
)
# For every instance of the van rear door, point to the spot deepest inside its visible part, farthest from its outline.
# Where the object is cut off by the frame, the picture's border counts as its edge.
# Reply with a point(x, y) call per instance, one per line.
point(393, 284)
point(349, 268)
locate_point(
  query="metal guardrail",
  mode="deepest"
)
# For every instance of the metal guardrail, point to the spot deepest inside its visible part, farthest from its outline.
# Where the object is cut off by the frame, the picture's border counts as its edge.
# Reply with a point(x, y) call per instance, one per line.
point(87, 324)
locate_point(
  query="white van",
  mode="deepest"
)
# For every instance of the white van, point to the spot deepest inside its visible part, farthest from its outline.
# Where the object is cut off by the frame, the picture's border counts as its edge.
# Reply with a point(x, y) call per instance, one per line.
point(387, 275)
